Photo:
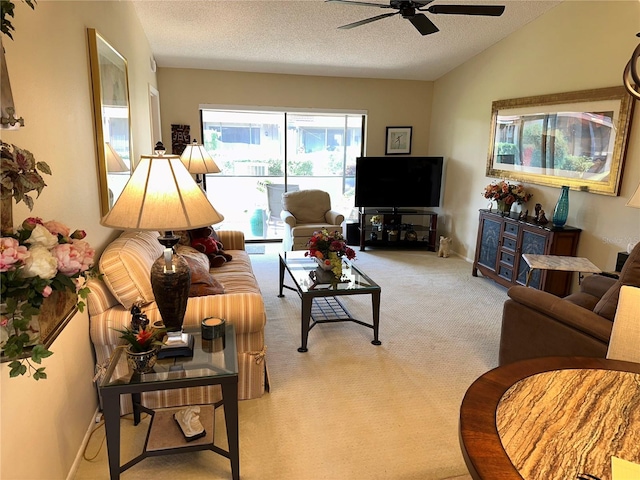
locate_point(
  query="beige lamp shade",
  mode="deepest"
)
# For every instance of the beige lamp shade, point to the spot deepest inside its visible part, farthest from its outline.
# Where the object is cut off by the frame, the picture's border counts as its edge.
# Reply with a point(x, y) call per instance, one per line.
point(197, 160)
point(161, 195)
point(115, 163)
point(634, 201)
point(625, 334)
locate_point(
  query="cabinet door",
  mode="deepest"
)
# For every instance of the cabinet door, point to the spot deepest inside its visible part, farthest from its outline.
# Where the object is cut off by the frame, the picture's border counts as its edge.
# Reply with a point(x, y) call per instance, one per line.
point(489, 243)
point(533, 242)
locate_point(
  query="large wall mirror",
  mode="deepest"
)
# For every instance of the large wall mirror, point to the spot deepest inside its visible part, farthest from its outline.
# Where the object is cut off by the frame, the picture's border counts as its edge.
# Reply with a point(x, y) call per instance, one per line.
point(110, 81)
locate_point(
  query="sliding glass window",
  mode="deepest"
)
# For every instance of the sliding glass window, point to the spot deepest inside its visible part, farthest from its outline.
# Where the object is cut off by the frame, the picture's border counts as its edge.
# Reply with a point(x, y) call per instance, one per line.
point(265, 153)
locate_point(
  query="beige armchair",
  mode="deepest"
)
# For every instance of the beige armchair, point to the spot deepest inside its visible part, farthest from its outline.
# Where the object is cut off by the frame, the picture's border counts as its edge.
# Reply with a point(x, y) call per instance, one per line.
point(305, 212)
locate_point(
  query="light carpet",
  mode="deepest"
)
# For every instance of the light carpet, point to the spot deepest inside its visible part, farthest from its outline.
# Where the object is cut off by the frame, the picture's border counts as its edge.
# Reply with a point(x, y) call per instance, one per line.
point(347, 409)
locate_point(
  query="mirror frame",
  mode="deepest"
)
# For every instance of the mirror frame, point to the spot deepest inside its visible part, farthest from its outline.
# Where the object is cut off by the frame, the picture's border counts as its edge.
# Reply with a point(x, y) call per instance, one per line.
point(614, 100)
point(102, 53)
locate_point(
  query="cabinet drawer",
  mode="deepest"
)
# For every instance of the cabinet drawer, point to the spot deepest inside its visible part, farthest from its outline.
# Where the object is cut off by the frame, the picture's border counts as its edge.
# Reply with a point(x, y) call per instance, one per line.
point(505, 272)
point(511, 228)
point(509, 244)
point(507, 259)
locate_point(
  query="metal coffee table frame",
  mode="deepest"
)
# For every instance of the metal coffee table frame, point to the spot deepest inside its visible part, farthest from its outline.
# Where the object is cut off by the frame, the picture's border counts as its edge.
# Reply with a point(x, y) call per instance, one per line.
point(319, 302)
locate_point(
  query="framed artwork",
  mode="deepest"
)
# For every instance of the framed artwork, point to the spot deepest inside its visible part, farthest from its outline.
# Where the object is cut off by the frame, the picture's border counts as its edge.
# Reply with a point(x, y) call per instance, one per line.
point(112, 117)
point(398, 141)
point(577, 139)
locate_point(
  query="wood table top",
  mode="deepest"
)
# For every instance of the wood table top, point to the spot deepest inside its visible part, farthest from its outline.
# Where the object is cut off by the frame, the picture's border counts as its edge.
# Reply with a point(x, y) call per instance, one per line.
point(527, 419)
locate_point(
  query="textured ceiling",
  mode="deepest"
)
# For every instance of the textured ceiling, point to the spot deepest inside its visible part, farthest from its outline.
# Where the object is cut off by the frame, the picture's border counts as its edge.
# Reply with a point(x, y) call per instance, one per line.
point(301, 36)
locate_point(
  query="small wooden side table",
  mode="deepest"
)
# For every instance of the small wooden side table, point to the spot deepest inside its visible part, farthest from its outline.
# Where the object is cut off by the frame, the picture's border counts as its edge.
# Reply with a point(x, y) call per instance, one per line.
point(558, 262)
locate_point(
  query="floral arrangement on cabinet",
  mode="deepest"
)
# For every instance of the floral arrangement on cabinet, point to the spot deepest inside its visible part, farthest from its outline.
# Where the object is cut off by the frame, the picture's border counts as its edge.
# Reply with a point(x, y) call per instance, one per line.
point(329, 248)
point(36, 259)
point(506, 194)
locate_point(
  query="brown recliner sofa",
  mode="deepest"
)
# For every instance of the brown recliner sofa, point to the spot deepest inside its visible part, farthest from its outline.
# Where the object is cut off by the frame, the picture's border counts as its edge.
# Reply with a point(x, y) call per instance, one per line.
point(538, 324)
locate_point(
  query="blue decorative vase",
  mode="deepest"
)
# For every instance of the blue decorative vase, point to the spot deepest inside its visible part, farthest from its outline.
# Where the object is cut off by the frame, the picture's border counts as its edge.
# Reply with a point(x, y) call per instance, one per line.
point(561, 212)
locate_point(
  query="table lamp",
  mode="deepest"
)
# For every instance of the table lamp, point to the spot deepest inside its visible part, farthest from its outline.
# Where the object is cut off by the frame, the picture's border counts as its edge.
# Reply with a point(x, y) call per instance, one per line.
point(115, 163)
point(161, 195)
point(634, 201)
point(197, 160)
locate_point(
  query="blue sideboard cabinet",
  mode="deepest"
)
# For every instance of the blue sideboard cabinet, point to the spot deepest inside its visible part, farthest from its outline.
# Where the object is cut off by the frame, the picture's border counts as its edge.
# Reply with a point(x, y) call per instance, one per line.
point(503, 239)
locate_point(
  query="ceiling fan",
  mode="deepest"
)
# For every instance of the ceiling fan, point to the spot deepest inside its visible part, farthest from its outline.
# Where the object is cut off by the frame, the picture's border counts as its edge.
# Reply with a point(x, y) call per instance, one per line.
point(409, 8)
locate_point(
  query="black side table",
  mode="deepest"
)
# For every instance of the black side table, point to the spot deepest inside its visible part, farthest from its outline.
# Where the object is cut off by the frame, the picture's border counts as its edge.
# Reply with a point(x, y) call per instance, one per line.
point(213, 363)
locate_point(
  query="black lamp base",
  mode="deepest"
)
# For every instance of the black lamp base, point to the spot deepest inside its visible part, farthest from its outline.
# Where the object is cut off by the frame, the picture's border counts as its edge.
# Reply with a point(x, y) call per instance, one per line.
point(181, 348)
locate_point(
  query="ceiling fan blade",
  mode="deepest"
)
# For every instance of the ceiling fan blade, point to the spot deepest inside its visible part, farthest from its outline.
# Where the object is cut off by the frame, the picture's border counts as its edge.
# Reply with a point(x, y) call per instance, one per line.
point(367, 4)
point(489, 10)
point(368, 20)
point(423, 24)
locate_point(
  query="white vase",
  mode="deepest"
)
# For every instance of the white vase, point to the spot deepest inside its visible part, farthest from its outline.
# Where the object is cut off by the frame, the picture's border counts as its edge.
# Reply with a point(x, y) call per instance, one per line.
point(323, 264)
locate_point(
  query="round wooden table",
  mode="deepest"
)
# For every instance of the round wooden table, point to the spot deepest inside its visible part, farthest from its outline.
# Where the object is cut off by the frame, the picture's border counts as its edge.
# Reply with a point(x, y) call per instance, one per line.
point(551, 415)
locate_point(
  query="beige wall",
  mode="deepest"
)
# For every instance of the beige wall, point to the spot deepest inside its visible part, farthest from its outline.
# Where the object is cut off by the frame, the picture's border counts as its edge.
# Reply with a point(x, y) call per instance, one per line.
point(576, 46)
point(43, 423)
point(387, 102)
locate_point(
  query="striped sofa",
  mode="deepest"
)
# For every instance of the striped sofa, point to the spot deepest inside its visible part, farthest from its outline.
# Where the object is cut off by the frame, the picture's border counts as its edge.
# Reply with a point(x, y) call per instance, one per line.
point(125, 266)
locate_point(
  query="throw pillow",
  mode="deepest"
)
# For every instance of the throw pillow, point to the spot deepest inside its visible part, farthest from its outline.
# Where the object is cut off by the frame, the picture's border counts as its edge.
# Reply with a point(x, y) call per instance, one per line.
point(202, 282)
point(630, 275)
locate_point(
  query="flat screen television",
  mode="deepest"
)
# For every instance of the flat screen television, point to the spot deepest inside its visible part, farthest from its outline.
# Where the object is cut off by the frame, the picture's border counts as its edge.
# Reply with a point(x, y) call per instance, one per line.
point(397, 182)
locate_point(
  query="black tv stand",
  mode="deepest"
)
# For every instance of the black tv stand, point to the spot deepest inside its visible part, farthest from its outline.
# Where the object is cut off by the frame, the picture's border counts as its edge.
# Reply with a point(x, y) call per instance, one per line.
point(398, 211)
point(397, 232)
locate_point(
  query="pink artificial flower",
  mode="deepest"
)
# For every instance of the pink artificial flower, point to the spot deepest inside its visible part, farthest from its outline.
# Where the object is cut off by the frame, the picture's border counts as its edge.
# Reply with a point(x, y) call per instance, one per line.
point(4, 321)
point(31, 222)
point(46, 291)
point(57, 228)
point(12, 254)
point(78, 235)
point(73, 257)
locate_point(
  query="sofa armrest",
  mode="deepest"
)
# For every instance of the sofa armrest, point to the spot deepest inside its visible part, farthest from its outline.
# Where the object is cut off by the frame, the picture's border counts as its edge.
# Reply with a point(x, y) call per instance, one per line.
point(231, 239)
point(562, 311)
point(334, 218)
point(288, 218)
point(100, 298)
point(597, 285)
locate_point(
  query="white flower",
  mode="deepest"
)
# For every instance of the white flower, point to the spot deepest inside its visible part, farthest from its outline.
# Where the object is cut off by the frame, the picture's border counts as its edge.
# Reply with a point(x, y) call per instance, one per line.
point(41, 236)
point(40, 263)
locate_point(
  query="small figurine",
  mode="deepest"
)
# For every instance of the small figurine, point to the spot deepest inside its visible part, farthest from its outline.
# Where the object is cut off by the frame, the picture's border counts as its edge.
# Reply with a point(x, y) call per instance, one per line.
point(445, 247)
point(537, 212)
point(139, 320)
point(542, 220)
point(189, 421)
point(523, 215)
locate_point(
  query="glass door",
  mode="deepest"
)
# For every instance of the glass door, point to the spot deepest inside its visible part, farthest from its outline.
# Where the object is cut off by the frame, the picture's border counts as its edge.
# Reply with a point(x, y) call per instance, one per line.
point(260, 159)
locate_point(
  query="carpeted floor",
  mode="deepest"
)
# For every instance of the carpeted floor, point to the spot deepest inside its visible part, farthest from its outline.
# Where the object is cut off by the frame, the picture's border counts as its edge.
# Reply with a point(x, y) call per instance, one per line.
point(346, 409)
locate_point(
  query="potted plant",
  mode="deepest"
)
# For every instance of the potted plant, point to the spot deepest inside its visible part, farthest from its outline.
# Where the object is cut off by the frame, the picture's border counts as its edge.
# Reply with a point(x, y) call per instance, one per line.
point(142, 346)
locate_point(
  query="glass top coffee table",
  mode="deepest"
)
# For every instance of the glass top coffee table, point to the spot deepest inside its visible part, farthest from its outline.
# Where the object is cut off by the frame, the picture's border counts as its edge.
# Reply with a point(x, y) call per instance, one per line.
point(319, 293)
point(214, 362)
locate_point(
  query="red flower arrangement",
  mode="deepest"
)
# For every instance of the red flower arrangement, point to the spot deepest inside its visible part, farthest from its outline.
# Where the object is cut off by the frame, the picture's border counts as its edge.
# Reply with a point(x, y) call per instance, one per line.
point(323, 243)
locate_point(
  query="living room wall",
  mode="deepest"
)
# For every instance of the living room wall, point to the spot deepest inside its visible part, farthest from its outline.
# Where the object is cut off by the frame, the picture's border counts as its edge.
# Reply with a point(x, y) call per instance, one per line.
point(387, 102)
point(42, 424)
point(578, 45)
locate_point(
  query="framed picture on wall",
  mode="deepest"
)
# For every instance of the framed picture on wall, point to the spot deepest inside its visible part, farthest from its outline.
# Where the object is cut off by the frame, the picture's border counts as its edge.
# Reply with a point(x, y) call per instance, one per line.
point(398, 141)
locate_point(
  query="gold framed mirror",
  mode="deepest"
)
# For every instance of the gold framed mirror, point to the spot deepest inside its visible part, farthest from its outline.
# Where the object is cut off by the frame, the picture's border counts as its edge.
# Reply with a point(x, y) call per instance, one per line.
point(578, 139)
point(112, 116)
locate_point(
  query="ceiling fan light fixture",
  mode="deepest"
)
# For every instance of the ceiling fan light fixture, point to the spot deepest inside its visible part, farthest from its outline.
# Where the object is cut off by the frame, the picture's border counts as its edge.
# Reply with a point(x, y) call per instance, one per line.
point(408, 8)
